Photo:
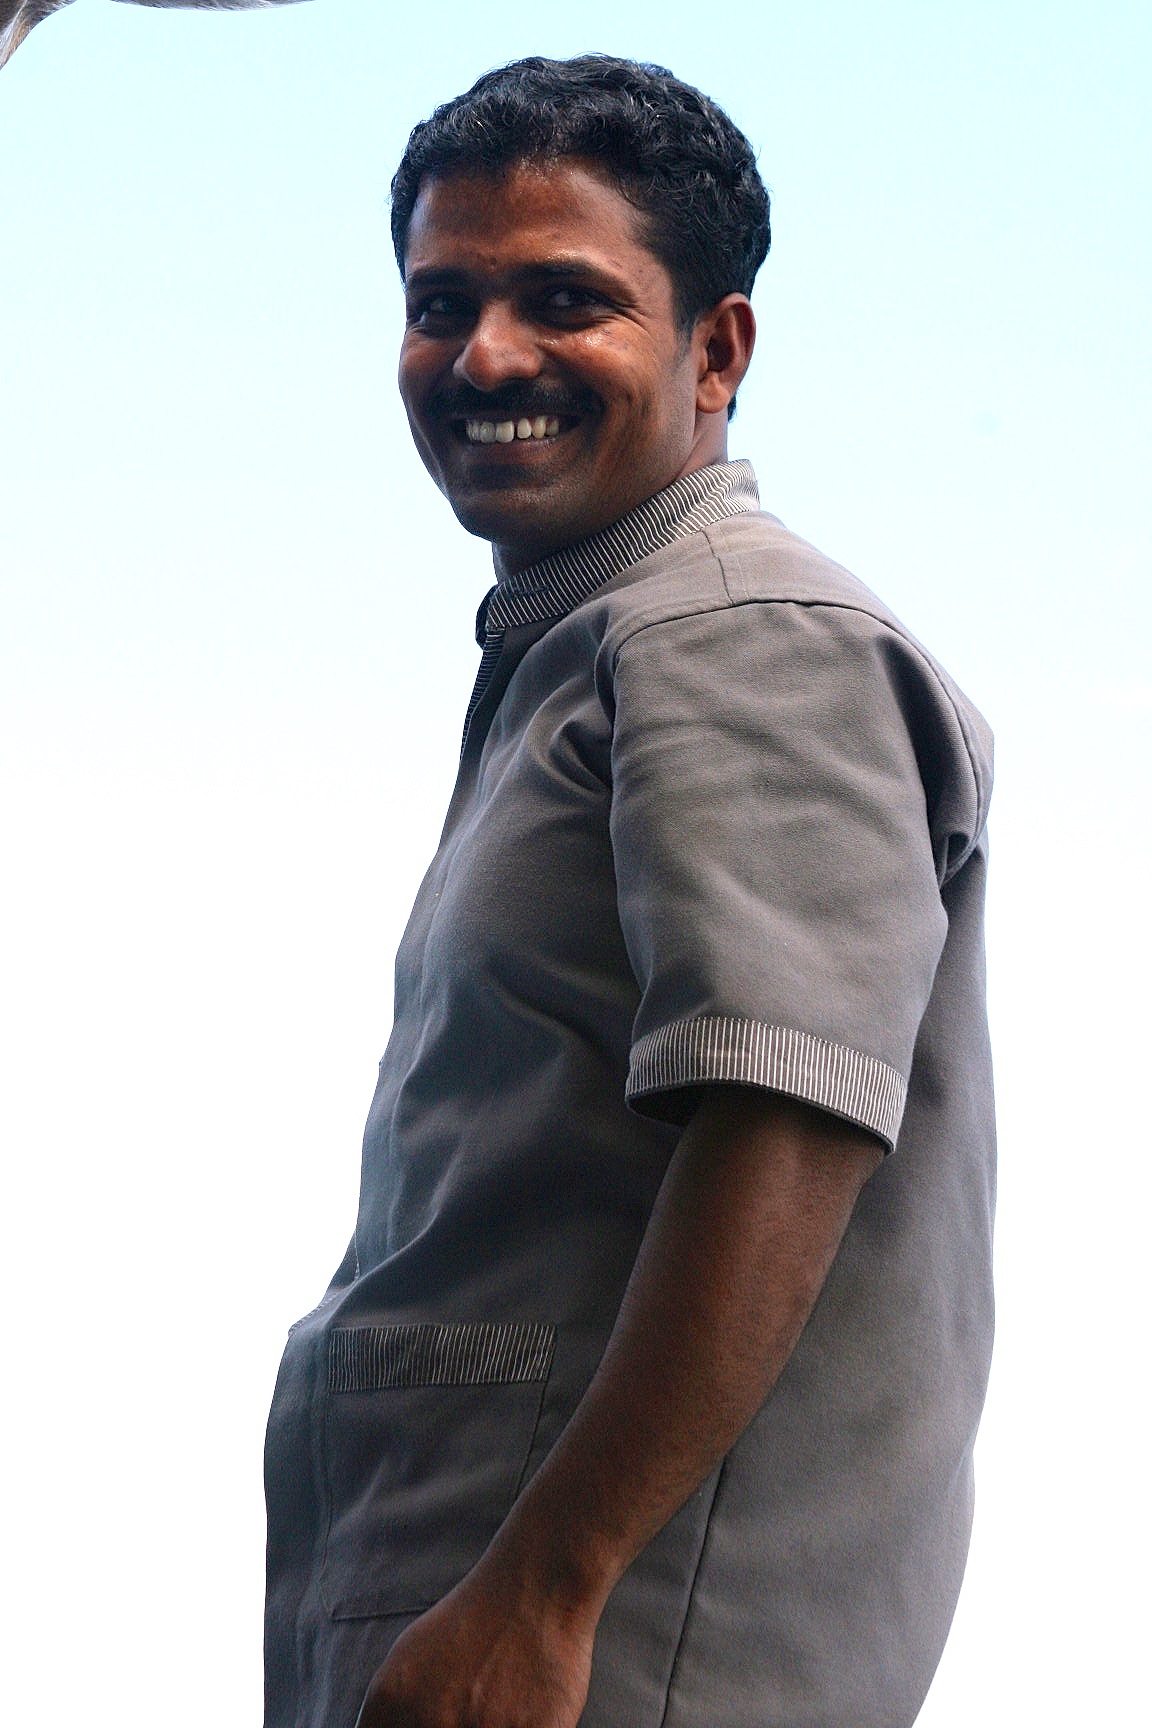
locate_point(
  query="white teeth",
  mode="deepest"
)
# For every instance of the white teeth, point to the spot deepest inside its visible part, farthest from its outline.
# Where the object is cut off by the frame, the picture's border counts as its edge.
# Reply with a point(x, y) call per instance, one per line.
point(506, 431)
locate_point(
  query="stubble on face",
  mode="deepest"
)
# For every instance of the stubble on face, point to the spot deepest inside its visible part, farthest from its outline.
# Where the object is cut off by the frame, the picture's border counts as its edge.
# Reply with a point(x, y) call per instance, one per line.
point(548, 384)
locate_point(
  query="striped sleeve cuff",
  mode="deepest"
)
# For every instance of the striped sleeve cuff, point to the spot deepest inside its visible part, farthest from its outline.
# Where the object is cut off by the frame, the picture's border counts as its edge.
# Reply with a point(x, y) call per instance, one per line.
point(719, 1049)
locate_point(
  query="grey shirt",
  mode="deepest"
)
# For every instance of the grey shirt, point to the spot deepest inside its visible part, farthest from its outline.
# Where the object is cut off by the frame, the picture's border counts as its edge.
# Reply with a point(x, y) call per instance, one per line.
point(719, 819)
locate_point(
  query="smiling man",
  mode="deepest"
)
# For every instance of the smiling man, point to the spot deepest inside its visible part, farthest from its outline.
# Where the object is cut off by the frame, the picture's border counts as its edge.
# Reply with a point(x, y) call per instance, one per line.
point(550, 385)
point(646, 1392)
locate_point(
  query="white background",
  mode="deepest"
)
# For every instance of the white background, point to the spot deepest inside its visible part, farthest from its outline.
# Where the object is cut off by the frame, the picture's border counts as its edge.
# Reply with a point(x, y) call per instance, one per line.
point(235, 650)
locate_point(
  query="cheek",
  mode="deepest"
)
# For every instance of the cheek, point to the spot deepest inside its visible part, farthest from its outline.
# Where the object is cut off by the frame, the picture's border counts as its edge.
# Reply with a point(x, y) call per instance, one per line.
point(407, 377)
point(417, 371)
point(620, 372)
point(630, 392)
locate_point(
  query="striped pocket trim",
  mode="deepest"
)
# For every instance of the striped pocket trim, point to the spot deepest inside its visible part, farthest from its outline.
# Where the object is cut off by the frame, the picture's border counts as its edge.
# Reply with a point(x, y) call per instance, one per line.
point(385, 1358)
point(751, 1053)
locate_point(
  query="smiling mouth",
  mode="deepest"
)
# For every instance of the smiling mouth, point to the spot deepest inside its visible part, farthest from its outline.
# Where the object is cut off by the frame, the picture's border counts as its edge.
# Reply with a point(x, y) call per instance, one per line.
point(536, 428)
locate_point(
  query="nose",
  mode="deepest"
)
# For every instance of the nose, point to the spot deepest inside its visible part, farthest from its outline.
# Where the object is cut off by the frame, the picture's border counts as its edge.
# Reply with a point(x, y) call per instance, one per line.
point(500, 347)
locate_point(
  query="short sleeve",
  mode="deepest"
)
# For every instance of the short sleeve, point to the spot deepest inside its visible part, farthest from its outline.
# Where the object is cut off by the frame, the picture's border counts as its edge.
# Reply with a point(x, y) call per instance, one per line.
point(780, 775)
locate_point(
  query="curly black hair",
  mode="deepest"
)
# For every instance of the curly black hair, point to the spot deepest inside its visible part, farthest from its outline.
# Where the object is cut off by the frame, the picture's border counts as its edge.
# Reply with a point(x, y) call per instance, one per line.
point(672, 153)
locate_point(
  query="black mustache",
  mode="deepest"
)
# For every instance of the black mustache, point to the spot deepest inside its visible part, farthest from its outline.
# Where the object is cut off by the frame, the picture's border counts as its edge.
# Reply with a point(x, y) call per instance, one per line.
point(518, 399)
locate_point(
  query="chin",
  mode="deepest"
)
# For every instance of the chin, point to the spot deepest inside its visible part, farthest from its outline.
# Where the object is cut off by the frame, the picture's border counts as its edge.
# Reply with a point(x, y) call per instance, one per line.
point(523, 534)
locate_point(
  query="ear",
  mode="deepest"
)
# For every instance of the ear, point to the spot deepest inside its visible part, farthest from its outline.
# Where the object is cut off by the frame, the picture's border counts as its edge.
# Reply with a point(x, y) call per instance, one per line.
point(724, 339)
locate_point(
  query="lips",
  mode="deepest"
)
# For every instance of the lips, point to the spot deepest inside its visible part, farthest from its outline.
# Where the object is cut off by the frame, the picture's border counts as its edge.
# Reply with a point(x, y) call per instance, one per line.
point(529, 411)
point(522, 429)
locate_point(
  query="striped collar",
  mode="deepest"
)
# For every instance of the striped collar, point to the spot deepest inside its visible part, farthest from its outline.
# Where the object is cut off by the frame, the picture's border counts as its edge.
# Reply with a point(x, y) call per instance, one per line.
point(561, 581)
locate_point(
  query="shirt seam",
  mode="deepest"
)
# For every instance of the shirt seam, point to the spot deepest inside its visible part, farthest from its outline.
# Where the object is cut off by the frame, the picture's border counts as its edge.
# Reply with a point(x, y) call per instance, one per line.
point(892, 628)
point(743, 1050)
point(724, 495)
point(688, 1607)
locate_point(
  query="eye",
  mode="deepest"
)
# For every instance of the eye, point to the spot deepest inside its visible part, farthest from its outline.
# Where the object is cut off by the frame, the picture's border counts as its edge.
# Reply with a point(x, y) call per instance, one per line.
point(436, 312)
point(570, 304)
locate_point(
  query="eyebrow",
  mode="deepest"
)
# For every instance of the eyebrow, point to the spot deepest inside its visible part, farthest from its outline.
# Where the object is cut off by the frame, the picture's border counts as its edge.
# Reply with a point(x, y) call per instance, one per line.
point(570, 269)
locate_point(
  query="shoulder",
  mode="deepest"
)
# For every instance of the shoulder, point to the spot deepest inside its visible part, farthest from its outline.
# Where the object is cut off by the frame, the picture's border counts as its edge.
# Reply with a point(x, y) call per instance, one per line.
point(746, 560)
point(747, 604)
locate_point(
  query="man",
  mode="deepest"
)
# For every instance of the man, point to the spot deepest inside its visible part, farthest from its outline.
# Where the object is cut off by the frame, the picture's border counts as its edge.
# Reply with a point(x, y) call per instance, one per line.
point(646, 1392)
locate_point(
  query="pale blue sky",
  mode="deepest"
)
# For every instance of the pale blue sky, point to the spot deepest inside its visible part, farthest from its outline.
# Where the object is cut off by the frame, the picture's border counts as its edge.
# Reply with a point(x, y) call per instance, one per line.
point(235, 653)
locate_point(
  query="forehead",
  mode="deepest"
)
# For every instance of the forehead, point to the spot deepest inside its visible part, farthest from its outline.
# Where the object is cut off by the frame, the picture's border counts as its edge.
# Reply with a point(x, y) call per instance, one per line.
point(529, 212)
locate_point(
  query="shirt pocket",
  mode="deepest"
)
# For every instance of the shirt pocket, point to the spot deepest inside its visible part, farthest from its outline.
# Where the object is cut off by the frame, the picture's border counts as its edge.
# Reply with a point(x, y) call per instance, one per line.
point(428, 1432)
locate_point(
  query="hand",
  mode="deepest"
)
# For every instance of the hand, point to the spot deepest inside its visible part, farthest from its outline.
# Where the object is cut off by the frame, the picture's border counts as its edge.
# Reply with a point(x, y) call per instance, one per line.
point(487, 1656)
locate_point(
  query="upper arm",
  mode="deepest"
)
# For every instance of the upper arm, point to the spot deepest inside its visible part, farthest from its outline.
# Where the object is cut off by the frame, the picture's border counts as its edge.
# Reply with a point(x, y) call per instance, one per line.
point(776, 870)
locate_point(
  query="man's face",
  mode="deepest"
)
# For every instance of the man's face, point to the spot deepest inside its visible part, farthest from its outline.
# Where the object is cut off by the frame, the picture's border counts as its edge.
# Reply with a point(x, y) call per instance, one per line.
point(548, 387)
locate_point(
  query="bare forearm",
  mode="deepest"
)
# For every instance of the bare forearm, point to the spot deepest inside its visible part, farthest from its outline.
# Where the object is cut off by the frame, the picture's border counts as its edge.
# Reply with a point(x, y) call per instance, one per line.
point(747, 1223)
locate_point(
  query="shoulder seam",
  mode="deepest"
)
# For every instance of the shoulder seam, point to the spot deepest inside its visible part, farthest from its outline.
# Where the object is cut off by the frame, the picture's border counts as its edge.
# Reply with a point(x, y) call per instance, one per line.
point(890, 626)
